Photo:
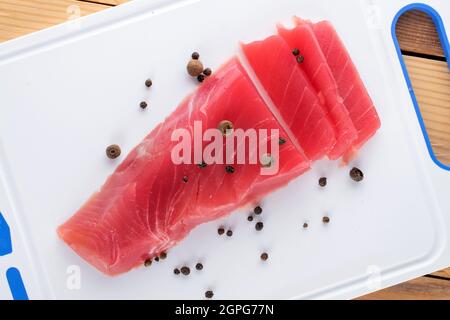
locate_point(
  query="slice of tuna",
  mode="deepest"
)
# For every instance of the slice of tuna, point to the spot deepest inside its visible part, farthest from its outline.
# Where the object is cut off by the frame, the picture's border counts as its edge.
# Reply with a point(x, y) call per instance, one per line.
point(293, 96)
point(315, 66)
point(351, 88)
point(149, 203)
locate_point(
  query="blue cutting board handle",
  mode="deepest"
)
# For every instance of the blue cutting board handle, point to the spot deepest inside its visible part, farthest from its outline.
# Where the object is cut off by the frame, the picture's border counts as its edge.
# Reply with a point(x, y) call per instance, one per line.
point(445, 46)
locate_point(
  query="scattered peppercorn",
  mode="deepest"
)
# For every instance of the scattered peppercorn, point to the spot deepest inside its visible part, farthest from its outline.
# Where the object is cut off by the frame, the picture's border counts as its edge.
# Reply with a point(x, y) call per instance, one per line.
point(209, 294)
point(148, 83)
point(305, 225)
point(199, 266)
point(295, 52)
point(163, 255)
point(229, 169)
point(176, 271)
point(300, 59)
point(326, 219)
point(221, 231)
point(201, 78)
point(195, 55)
point(185, 271)
point(157, 259)
point(226, 127)
point(148, 263)
point(143, 105)
point(229, 233)
point(356, 174)
point(264, 256)
point(202, 165)
point(258, 210)
point(185, 179)
point(113, 151)
point(250, 218)
point(207, 72)
point(281, 141)
point(266, 160)
point(259, 226)
point(194, 68)
point(323, 182)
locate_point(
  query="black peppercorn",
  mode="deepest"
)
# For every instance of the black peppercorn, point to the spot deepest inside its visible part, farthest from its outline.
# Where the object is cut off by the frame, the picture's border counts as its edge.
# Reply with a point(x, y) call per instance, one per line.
point(229, 233)
point(207, 72)
point(221, 231)
point(199, 266)
point(295, 52)
point(264, 256)
point(259, 226)
point(229, 169)
point(209, 294)
point(148, 83)
point(113, 151)
point(356, 175)
point(323, 182)
point(300, 59)
point(200, 78)
point(148, 262)
point(195, 55)
point(326, 219)
point(258, 210)
point(185, 271)
point(143, 105)
point(176, 271)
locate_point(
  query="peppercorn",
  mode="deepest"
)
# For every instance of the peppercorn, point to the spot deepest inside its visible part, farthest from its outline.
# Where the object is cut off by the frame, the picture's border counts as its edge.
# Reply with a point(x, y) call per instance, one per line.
point(326, 219)
point(250, 218)
point(207, 72)
point(202, 165)
point(295, 52)
point(264, 256)
point(305, 225)
point(209, 294)
point(143, 105)
point(201, 78)
point(281, 141)
point(221, 231)
point(258, 210)
point(185, 179)
point(195, 55)
point(185, 271)
point(226, 127)
point(176, 271)
point(300, 59)
point(148, 262)
point(229, 169)
point(113, 151)
point(356, 175)
point(194, 68)
point(163, 255)
point(229, 233)
point(259, 226)
point(323, 182)
point(148, 83)
point(199, 266)
point(157, 259)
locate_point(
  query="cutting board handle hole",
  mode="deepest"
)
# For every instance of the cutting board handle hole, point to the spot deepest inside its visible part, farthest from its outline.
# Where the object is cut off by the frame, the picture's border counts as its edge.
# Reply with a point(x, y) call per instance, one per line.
point(424, 61)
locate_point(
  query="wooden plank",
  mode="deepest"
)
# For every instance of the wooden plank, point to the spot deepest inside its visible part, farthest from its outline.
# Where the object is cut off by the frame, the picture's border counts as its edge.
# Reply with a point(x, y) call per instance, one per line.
point(416, 33)
point(431, 82)
point(443, 273)
point(19, 17)
point(423, 288)
point(107, 2)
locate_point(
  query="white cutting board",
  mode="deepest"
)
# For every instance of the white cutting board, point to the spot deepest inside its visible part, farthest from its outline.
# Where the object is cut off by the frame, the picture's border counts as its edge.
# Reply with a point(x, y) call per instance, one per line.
point(69, 91)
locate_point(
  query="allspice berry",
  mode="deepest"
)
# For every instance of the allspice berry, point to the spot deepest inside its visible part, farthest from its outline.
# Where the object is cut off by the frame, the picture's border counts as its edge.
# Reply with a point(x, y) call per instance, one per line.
point(195, 68)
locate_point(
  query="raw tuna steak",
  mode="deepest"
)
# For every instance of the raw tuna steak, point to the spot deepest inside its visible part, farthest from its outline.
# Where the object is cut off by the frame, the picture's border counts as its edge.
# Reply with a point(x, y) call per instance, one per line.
point(316, 68)
point(292, 94)
point(351, 88)
point(149, 203)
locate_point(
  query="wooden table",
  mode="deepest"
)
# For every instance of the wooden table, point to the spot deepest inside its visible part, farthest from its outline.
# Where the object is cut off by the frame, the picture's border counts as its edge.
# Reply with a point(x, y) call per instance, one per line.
point(422, 52)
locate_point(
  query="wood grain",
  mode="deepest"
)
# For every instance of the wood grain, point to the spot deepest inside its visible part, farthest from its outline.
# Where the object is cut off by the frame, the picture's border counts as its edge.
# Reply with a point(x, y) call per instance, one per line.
point(423, 288)
point(431, 82)
point(443, 273)
point(416, 33)
point(107, 2)
point(19, 17)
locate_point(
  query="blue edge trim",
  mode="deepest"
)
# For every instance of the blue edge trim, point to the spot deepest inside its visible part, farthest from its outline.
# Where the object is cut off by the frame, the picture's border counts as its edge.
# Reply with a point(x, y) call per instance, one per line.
point(445, 46)
point(15, 282)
